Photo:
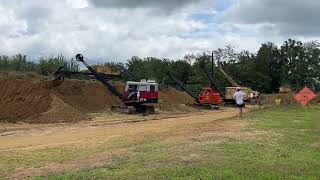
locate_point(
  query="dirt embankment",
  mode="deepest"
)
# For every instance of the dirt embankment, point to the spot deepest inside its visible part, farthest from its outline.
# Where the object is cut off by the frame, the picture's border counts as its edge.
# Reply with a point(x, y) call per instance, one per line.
point(173, 100)
point(37, 101)
point(21, 99)
point(286, 98)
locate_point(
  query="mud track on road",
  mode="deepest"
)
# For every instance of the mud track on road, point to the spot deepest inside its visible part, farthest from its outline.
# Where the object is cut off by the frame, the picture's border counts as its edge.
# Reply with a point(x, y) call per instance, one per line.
point(95, 131)
point(170, 128)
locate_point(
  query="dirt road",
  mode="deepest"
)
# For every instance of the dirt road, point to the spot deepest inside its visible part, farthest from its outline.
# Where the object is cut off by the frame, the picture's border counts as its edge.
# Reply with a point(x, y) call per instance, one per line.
point(81, 134)
point(38, 150)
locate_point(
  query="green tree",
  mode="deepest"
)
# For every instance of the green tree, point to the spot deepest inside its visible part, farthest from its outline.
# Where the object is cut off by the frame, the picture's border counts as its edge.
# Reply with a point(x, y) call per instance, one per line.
point(294, 63)
point(181, 70)
point(268, 67)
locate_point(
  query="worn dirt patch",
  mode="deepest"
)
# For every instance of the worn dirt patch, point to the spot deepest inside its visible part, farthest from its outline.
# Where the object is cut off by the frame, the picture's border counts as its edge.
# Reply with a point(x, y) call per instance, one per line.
point(168, 130)
point(94, 132)
point(90, 162)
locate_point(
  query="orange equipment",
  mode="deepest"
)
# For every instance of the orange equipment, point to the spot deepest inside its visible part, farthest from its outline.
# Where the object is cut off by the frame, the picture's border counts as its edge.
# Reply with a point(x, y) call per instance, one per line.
point(208, 97)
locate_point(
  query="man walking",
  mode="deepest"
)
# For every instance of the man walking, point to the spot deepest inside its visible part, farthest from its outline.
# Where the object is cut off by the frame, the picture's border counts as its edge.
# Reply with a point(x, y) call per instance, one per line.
point(238, 97)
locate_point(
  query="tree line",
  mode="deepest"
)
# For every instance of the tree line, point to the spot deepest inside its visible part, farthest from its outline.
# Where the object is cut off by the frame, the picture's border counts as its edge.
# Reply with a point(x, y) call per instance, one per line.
point(294, 63)
point(43, 65)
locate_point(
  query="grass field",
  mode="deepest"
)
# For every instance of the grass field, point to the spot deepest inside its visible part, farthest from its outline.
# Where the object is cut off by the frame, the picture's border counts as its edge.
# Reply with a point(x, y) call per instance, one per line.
point(267, 144)
point(279, 143)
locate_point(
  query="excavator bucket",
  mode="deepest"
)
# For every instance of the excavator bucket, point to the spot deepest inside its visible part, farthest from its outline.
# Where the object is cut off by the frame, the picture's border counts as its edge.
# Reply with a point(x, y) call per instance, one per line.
point(53, 83)
point(56, 77)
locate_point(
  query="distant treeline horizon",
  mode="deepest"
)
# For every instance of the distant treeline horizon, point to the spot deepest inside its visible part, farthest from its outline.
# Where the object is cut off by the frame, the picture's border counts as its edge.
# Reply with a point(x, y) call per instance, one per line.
point(294, 63)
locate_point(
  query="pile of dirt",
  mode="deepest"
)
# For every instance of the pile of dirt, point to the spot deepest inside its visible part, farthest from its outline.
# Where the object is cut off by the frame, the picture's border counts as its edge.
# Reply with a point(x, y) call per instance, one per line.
point(86, 96)
point(37, 101)
point(20, 99)
point(59, 112)
point(173, 100)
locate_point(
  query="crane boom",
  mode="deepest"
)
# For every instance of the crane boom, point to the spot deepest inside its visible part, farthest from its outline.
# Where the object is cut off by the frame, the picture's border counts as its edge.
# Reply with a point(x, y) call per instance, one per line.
point(128, 73)
point(229, 78)
point(214, 82)
point(316, 80)
point(110, 87)
point(180, 84)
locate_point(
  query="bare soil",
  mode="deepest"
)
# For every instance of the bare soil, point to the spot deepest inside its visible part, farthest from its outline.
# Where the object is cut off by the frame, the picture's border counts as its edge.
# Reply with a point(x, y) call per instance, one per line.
point(36, 114)
point(173, 128)
point(26, 136)
point(34, 100)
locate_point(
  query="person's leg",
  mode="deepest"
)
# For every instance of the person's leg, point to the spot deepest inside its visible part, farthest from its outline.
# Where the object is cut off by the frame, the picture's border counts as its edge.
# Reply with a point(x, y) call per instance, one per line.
point(240, 114)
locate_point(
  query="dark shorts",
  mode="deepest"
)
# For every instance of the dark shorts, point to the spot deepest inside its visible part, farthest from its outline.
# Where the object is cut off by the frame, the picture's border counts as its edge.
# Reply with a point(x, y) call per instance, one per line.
point(241, 105)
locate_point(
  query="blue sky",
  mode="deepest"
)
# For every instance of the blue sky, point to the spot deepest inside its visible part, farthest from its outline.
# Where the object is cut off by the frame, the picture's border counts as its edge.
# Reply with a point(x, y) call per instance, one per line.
point(222, 5)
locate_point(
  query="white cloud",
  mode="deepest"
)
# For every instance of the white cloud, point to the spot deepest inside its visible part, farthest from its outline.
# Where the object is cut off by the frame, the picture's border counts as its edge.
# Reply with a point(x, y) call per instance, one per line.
point(69, 27)
point(120, 29)
point(286, 17)
point(78, 3)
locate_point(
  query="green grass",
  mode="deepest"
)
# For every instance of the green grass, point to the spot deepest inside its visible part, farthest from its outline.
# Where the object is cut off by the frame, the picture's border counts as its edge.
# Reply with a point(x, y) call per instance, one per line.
point(282, 143)
point(12, 160)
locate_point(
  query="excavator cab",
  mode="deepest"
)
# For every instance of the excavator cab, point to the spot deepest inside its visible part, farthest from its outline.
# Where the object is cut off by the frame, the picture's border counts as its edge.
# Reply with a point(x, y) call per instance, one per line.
point(207, 98)
point(136, 97)
point(141, 92)
point(210, 97)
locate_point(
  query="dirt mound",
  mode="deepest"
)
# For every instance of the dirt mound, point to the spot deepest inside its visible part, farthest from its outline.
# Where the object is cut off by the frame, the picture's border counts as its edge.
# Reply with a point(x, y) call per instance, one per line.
point(59, 112)
point(85, 95)
point(173, 100)
point(37, 101)
point(20, 99)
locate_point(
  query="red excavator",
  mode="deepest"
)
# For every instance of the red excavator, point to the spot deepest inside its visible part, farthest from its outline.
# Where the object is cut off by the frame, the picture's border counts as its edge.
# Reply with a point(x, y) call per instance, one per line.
point(138, 97)
point(207, 98)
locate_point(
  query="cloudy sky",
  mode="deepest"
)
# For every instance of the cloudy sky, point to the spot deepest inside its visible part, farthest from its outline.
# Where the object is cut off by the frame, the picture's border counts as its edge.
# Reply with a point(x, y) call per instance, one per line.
point(119, 29)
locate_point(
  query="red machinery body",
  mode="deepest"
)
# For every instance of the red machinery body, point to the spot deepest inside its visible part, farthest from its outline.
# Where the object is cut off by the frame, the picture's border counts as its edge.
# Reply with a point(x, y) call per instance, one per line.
point(149, 97)
point(209, 96)
point(143, 92)
point(137, 96)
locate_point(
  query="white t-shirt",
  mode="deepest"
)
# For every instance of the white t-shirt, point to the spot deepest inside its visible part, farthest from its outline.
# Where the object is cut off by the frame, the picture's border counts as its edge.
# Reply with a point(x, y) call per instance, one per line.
point(238, 96)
